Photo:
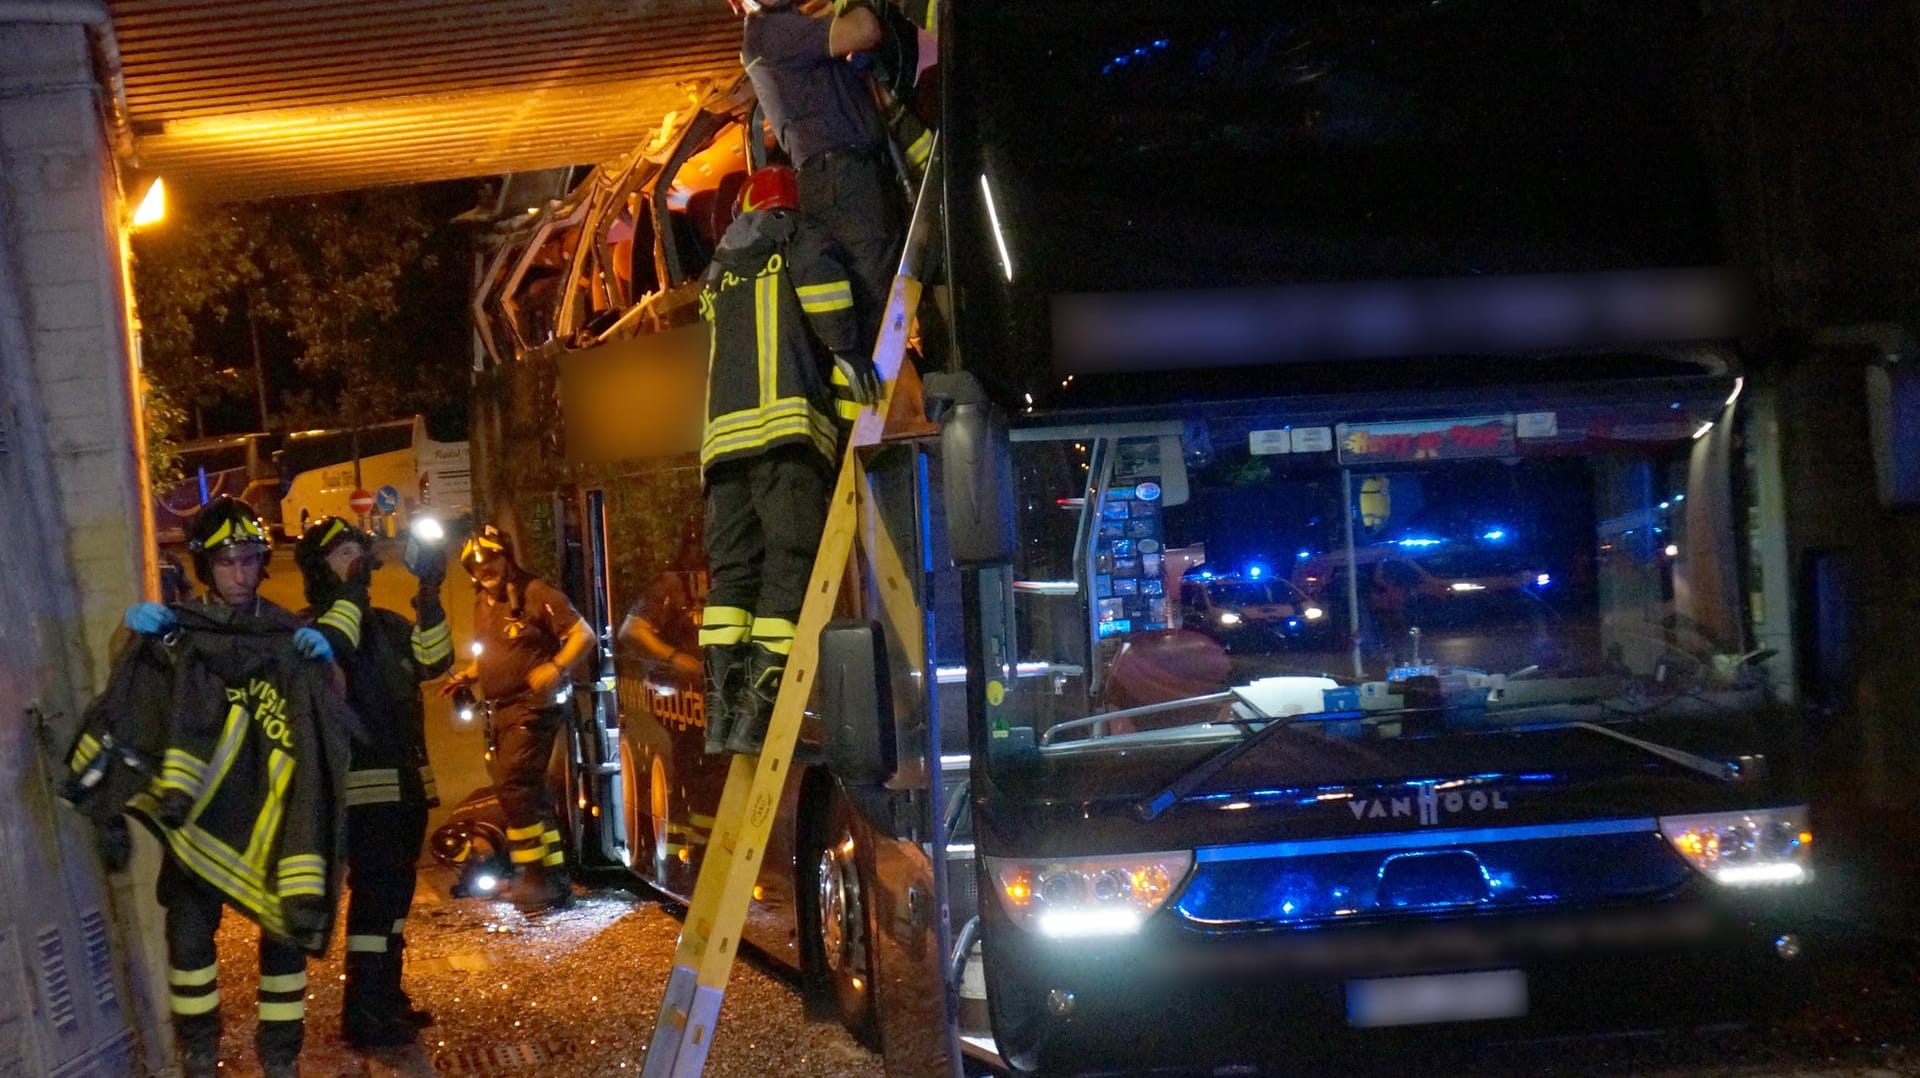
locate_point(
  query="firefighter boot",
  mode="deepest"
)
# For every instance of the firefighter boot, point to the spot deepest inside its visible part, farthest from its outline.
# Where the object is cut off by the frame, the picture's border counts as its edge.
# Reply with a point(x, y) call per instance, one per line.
point(368, 1017)
point(726, 684)
point(764, 671)
point(199, 1062)
point(403, 1008)
point(537, 890)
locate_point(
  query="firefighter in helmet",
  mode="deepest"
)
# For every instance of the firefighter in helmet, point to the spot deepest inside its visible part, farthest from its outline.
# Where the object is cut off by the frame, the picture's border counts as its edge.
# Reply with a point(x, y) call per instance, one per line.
point(230, 551)
point(526, 638)
point(786, 374)
point(390, 786)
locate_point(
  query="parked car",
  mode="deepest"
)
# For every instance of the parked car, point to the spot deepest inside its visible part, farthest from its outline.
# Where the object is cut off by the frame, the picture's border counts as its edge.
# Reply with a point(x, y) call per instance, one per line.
point(1251, 611)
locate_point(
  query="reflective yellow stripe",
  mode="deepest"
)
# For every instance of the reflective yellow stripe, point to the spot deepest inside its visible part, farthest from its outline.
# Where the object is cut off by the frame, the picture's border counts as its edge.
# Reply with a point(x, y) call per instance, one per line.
point(921, 149)
point(555, 858)
point(723, 625)
point(216, 538)
point(189, 1005)
point(367, 944)
point(283, 982)
point(283, 1012)
point(527, 856)
point(267, 827)
point(432, 645)
point(795, 419)
point(749, 421)
point(193, 978)
point(520, 834)
point(766, 315)
point(373, 776)
point(848, 410)
point(399, 925)
point(84, 751)
point(550, 837)
point(821, 298)
point(765, 629)
point(303, 862)
point(344, 617)
point(334, 529)
point(373, 795)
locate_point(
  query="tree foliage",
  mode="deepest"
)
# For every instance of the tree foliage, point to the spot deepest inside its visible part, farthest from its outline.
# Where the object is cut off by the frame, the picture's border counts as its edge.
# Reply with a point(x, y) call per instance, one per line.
point(345, 295)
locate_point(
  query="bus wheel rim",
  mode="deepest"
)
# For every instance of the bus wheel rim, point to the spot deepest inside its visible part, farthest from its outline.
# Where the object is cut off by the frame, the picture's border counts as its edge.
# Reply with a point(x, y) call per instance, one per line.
point(839, 904)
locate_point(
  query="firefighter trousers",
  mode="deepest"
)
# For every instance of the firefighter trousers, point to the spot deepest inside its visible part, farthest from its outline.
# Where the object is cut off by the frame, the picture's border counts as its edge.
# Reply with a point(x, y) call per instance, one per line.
point(518, 769)
point(852, 194)
point(193, 974)
point(764, 518)
point(383, 853)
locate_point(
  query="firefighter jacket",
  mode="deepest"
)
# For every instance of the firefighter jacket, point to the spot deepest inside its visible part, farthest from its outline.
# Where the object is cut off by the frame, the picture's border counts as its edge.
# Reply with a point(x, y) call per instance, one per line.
point(232, 749)
point(385, 658)
point(781, 302)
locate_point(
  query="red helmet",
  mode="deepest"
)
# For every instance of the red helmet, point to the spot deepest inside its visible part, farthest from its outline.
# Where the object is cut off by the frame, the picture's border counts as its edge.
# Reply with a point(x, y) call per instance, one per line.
point(771, 188)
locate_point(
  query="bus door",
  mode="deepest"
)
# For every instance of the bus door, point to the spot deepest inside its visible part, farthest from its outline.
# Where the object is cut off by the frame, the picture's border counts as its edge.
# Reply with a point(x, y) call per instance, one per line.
point(603, 733)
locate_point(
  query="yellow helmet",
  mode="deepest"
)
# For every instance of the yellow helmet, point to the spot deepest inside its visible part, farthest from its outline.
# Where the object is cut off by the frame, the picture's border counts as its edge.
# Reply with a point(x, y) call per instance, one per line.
point(486, 544)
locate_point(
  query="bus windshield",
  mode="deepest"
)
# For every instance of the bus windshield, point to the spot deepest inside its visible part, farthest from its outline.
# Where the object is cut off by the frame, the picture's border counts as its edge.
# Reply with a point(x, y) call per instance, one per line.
point(1577, 566)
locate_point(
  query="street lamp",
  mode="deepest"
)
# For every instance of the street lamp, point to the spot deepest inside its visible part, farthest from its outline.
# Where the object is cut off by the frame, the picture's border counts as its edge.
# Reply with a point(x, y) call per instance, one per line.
point(152, 208)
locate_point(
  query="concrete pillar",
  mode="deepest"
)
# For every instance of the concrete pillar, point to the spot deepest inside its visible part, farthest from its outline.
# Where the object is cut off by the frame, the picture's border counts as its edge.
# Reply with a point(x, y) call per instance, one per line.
point(81, 974)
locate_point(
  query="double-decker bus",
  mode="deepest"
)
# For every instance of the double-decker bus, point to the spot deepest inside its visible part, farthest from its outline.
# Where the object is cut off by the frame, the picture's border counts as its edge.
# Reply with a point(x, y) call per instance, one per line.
point(1429, 285)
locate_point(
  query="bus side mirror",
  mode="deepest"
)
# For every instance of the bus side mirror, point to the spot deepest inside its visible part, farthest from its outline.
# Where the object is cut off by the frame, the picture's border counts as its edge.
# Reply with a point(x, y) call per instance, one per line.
point(855, 704)
point(976, 470)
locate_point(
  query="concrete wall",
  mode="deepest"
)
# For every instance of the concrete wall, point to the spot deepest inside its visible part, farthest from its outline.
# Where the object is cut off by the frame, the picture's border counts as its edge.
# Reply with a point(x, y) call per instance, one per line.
point(81, 978)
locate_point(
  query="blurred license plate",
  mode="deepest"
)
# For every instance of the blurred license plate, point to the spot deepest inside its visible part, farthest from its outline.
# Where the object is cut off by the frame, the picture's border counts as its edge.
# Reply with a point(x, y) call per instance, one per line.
point(1447, 997)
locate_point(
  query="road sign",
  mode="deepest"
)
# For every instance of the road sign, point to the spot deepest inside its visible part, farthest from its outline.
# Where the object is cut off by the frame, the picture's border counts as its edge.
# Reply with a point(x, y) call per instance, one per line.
point(387, 498)
point(360, 501)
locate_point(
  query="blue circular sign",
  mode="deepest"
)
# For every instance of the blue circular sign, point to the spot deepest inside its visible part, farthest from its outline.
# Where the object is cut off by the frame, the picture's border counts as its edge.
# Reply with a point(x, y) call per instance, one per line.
point(387, 498)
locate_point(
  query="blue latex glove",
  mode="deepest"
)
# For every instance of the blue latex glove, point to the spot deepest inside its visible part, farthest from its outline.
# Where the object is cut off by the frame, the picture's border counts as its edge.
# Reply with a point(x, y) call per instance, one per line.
point(310, 644)
point(154, 619)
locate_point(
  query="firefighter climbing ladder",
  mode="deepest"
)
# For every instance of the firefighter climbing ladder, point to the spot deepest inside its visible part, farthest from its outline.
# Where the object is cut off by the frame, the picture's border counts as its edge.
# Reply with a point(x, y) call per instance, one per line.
point(703, 961)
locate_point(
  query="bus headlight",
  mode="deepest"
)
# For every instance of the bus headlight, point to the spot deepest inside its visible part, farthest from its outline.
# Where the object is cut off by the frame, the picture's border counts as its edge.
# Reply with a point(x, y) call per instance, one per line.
point(1087, 896)
point(1741, 849)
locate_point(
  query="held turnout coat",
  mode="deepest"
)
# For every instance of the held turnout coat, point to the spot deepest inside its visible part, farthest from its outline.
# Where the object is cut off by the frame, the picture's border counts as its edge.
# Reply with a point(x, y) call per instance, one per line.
point(781, 303)
point(233, 750)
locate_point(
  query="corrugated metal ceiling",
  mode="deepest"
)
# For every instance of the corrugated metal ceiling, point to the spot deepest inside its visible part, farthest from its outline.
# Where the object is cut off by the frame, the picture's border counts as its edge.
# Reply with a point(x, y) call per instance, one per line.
point(251, 98)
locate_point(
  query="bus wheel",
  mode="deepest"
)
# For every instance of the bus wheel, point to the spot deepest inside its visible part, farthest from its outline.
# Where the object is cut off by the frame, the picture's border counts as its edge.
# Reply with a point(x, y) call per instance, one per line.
point(643, 798)
point(836, 941)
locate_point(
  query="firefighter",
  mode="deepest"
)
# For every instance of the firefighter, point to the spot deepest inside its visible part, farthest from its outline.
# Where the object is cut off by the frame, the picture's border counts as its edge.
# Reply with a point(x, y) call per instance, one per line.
point(785, 372)
point(823, 118)
point(230, 551)
point(526, 638)
point(390, 785)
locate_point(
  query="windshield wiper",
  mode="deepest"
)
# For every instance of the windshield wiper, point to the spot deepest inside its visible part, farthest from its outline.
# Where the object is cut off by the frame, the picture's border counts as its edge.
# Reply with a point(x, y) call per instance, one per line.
point(1713, 769)
point(1134, 712)
point(1189, 780)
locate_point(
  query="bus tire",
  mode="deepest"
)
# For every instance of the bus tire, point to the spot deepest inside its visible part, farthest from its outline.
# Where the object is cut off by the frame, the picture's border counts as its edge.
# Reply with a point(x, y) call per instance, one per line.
point(836, 921)
point(643, 806)
point(563, 787)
